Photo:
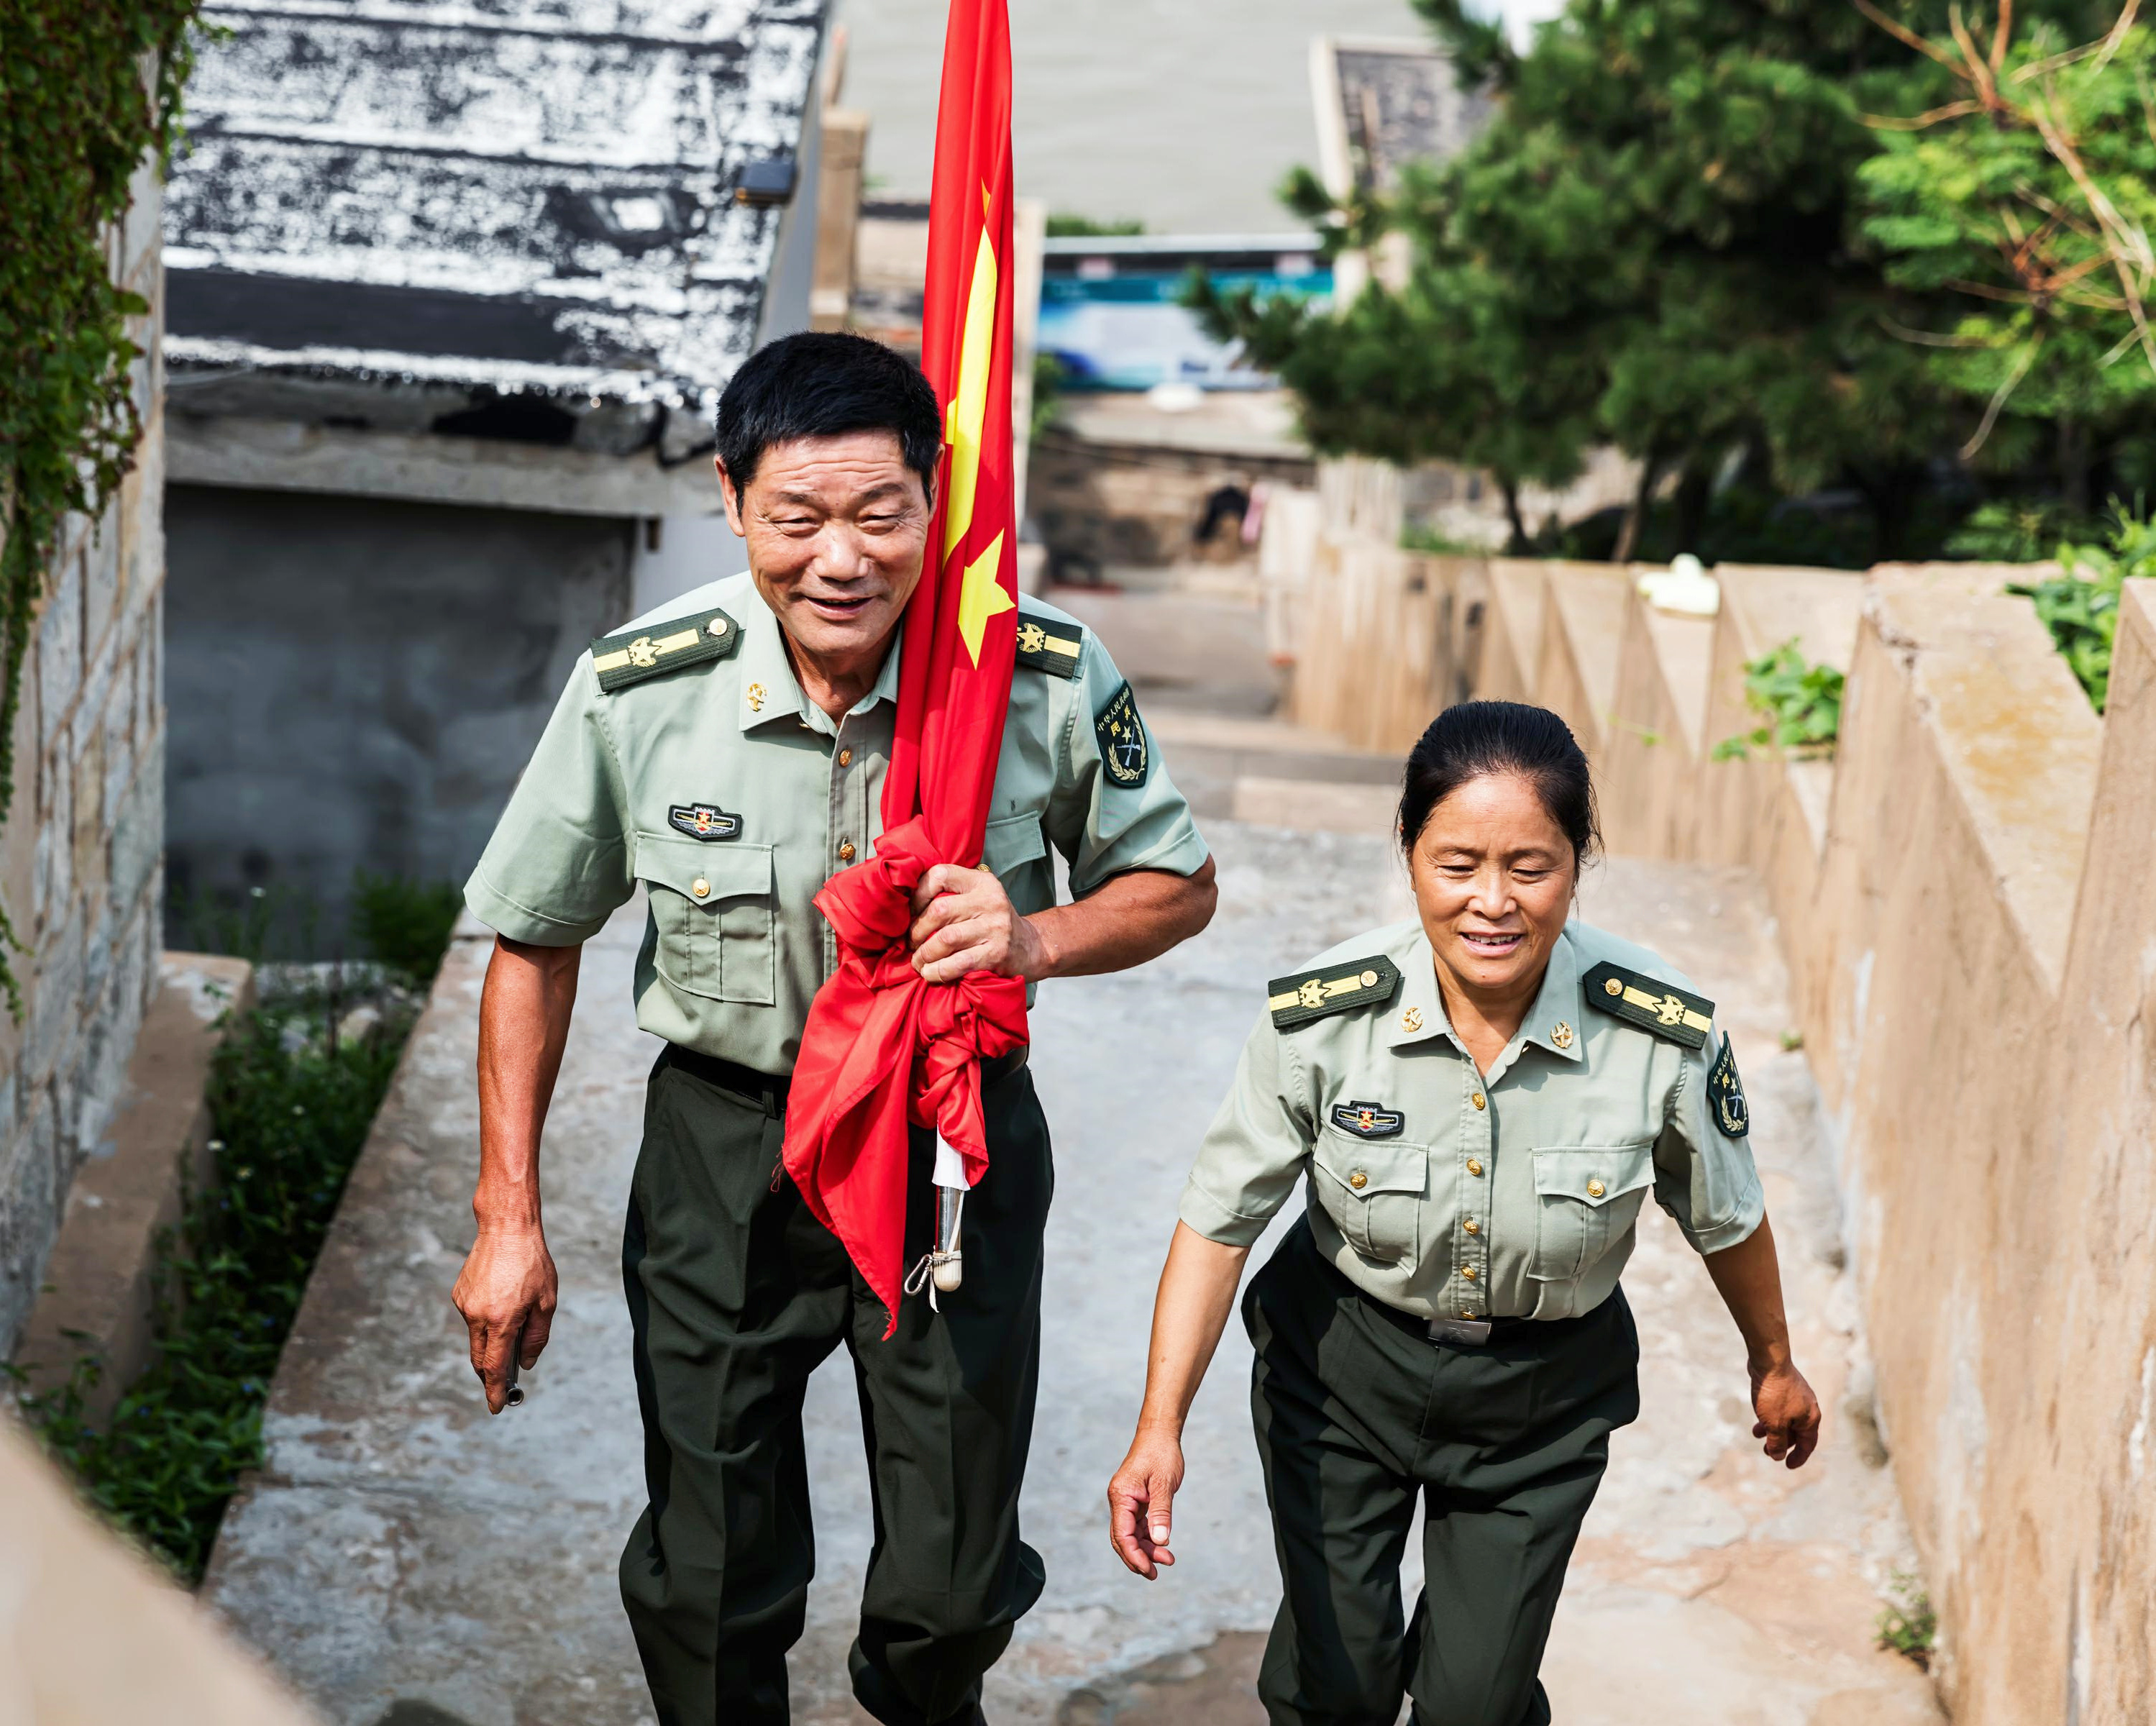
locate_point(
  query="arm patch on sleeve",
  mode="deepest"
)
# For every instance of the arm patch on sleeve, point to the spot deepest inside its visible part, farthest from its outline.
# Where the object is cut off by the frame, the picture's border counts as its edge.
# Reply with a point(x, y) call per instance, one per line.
point(1638, 1000)
point(1725, 1091)
point(1313, 995)
point(630, 657)
point(1126, 751)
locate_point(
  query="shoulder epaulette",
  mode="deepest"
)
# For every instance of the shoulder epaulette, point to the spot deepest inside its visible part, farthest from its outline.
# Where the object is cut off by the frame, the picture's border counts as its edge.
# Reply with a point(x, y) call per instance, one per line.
point(634, 656)
point(1332, 989)
point(1641, 1000)
point(1049, 643)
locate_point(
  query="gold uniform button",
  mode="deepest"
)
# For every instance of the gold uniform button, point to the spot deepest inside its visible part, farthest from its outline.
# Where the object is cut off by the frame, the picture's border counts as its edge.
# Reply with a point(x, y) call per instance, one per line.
point(1468, 1271)
point(846, 850)
point(1472, 1226)
point(701, 887)
point(1613, 987)
point(717, 626)
point(1369, 979)
point(1358, 1180)
point(1594, 1189)
point(846, 758)
point(1474, 1166)
point(1480, 1101)
point(1466, 1312)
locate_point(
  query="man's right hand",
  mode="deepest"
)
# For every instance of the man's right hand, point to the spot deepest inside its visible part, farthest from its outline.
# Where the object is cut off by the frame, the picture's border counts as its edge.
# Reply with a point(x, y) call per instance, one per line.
point(506, 1291)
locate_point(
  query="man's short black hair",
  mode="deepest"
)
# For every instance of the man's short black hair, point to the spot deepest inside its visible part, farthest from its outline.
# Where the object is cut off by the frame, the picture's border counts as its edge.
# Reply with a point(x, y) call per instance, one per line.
point(824, 384)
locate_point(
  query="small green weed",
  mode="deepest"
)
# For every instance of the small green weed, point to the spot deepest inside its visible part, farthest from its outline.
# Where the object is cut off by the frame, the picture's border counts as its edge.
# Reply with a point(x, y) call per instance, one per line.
point(1801, 702)
point(1907, 1625)
point(404, 924)
point(291, 1114)
point(2080, 604)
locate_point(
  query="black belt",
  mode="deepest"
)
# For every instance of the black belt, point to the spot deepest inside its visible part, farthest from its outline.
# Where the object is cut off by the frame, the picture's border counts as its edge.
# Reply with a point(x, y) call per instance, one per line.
point(771, 1089)
point(1444, 1330)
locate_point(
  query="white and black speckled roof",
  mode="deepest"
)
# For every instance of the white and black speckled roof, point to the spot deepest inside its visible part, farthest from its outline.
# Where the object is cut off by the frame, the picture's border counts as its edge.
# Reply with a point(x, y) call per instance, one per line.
point(516, 197)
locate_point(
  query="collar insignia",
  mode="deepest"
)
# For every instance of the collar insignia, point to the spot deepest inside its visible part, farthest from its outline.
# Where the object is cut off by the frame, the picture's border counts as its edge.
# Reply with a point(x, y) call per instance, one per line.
point(1639, 999)
point(1368, 1120)
point(703, 820)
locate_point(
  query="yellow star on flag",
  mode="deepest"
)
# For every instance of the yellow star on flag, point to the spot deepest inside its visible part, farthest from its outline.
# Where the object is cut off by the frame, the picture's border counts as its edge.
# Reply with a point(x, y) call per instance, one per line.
point(981, 597)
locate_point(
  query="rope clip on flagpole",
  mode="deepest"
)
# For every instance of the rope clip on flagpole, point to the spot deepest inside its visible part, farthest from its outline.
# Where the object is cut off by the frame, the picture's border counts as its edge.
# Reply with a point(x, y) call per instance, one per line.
point(941, 1271)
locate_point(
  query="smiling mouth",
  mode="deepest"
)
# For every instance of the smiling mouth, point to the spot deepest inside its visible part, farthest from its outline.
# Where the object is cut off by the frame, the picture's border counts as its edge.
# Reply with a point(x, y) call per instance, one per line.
point(1491, 945)
point(838, 605)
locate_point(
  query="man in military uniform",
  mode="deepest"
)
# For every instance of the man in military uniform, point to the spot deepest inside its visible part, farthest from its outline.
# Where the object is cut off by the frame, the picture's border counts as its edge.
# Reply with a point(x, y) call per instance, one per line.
point(726, 754)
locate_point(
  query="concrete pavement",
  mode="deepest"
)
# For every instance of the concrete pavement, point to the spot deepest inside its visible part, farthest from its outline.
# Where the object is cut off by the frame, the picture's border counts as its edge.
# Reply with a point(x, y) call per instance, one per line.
point(404, 1558)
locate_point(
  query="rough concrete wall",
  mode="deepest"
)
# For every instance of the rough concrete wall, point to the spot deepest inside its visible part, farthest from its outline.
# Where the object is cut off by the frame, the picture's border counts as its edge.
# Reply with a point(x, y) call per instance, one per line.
point(79, 863)
point(356, 683)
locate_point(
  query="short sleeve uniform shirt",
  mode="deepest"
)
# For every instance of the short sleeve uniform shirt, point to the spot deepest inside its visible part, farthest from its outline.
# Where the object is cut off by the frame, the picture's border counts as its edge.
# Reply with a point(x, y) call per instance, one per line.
point(1451, 1194)
point(684, 757)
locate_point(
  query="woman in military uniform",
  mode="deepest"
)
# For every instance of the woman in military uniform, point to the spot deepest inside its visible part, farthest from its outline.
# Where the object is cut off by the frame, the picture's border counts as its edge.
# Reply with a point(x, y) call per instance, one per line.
point(1481, 1099)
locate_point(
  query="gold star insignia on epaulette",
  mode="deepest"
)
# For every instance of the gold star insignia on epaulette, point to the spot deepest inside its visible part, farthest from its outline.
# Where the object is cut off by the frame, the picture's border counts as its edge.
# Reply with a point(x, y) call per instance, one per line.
point(1044, 644)
point(1653, 1006)
point(620, 660)
point(1332, 989)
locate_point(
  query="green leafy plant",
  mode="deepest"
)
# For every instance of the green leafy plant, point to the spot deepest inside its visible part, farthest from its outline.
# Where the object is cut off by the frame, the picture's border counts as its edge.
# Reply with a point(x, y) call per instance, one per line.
point(405, 924)
point(2080, 604)
point(290, 1107)
point(1907, 1625)
point(1801, 702)
point(1062, 225)
point(77, 119)
point(2017, 530)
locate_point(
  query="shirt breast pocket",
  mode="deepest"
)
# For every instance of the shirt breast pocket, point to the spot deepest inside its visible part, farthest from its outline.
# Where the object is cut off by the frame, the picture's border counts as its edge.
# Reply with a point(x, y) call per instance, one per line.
point(1010, 849)
point(1373, 1191)
point(1587, 1198)
point(712, 907)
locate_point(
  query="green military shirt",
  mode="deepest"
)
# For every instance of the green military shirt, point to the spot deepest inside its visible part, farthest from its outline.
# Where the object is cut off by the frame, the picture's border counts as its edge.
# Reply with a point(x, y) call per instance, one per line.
point(684, 756)
point(1451, 1194)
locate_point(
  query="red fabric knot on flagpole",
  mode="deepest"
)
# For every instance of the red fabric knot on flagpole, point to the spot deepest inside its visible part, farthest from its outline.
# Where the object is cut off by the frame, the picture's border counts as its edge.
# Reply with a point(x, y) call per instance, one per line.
point(846, 1125)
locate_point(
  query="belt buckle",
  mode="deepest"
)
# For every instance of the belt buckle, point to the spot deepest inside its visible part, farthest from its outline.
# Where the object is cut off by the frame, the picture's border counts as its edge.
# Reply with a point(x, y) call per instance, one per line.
point(1466, 1333)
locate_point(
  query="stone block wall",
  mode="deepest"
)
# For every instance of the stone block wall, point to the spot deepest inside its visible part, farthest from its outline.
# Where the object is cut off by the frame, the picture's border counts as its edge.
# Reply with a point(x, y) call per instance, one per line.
point(81, 852)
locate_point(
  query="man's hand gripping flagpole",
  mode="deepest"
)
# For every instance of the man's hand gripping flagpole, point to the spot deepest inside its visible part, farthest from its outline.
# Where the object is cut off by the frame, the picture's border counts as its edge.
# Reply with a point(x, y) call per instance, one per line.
point(884, 1050)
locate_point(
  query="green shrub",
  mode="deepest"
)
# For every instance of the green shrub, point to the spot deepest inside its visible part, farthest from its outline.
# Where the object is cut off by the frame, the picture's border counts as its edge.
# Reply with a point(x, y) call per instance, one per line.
point(2080, 604)
point(289, 1113)
point(1907, 1625)
point(404, 924)
point(1801, 701)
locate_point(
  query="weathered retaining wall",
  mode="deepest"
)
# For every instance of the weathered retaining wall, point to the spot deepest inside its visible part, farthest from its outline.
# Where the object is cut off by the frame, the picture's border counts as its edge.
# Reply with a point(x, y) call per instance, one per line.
point(80, 856)
point(1964, 896)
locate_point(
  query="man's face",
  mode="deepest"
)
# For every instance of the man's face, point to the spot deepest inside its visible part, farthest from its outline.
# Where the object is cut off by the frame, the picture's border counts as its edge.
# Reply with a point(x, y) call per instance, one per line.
point(836, 530)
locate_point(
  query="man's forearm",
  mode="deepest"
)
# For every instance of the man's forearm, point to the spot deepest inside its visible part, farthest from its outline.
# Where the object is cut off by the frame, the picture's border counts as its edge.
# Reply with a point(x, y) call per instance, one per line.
point(523, 1027)
point(1130, 919)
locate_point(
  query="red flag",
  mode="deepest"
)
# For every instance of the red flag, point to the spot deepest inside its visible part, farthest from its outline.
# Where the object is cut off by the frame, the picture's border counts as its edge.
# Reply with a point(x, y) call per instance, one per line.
point(883, 1049)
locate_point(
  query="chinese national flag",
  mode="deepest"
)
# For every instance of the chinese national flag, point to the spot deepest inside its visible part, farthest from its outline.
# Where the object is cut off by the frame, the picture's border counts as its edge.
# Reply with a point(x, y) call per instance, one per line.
point(883, 1050)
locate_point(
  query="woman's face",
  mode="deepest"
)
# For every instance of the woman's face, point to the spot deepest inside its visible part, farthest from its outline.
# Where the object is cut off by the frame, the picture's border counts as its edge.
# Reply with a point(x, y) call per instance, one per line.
point(1493, 878)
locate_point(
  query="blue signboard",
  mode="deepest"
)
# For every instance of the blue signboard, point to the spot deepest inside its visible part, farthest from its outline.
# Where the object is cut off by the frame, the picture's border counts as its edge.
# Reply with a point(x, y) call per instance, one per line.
point(1116, 321)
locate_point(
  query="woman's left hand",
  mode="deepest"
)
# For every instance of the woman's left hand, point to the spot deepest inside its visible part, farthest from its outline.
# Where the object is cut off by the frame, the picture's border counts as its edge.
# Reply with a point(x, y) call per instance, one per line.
point(1789, 1413)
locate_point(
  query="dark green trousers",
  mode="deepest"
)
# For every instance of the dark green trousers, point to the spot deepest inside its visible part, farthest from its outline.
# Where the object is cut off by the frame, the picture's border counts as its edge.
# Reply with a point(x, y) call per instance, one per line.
point(1359, 1414)
point(737, 1293)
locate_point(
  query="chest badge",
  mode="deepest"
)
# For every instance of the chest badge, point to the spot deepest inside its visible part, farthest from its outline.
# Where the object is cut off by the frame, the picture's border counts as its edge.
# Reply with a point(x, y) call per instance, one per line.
point(1124, 751)
point(1368, 1120)
point(703, 820)
point(1725, 1091)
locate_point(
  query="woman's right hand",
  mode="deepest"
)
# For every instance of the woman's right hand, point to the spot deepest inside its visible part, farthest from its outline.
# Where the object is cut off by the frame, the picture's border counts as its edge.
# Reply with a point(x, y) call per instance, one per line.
point(1141, 1500)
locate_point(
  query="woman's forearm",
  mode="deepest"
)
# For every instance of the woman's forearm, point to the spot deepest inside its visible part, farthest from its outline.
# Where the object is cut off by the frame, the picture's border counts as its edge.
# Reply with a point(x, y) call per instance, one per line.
point(1749, 1276)
point(1196, 1293)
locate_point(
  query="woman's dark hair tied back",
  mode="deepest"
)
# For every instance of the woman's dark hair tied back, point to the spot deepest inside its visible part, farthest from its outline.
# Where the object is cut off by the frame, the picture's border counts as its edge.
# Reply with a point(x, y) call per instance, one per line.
point(1475, 739)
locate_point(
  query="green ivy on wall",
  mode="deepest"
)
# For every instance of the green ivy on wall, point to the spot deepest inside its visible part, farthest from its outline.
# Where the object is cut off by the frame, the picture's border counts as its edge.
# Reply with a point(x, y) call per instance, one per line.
point(87, 88)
